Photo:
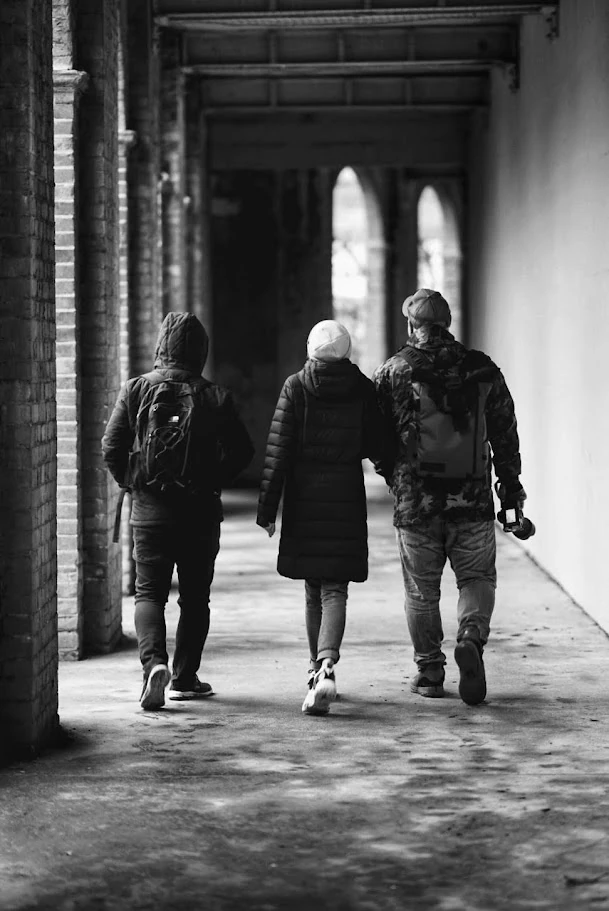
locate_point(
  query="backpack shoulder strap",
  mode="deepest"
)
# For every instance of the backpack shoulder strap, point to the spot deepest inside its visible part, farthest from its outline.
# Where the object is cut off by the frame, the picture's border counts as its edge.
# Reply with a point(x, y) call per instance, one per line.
point(412, 356)
point(116, 532)
point(154, 378)
point(419, 363)
point(478, 368)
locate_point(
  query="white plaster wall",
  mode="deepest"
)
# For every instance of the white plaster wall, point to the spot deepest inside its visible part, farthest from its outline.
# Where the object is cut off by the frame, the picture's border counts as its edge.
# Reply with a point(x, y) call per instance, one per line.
point(539, 284)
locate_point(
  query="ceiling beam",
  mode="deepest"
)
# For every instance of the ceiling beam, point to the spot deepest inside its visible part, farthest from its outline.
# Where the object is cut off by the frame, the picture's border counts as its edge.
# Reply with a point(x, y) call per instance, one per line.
point(202, 20)
point(361, 68)
point(388, 47)
point(425, 92)
point(226, 112)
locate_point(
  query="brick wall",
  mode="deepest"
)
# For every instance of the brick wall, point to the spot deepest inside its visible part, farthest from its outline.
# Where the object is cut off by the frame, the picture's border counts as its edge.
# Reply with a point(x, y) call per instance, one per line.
point(28, 474)
point(126, 140)
point(143, 170)
point(97, 30)
point(68, 85)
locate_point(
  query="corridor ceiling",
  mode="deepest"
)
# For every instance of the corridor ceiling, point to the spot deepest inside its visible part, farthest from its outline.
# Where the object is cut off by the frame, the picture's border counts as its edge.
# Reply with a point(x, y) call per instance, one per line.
point(297, 83)
point(311, 55)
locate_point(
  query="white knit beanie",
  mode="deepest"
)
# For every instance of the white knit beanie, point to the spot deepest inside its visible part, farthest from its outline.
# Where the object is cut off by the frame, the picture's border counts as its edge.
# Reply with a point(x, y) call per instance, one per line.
point(329, 341)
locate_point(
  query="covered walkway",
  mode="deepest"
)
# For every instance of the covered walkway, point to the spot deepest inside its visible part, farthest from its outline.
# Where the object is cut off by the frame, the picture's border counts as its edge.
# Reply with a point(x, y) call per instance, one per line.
point(391, 802)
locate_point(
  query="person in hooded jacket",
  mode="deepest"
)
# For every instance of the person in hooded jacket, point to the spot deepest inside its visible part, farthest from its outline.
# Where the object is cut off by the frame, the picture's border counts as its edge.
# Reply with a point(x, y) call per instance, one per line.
point(172, 530)
point(325, 423)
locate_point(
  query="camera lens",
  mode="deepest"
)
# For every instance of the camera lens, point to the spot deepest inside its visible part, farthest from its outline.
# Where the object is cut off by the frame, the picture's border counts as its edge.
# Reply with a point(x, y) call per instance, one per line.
point(526, 530)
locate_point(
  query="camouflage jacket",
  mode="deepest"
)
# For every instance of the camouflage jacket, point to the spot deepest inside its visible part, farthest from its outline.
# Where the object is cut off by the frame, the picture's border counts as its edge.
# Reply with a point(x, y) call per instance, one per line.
point(417, 499)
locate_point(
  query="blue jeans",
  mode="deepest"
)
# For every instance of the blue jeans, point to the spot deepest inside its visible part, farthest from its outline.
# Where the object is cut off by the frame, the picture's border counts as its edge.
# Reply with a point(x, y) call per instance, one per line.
point(156, 552)
point(471, 549)
point(325, 617)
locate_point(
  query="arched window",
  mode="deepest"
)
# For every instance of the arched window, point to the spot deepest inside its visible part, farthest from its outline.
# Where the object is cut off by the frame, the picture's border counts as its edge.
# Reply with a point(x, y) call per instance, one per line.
point(358, 266)
point(439, 251)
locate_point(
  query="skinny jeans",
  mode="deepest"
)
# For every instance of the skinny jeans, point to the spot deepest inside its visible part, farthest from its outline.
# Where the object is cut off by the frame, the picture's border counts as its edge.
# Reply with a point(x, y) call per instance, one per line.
point(325, 617)
point(157, 551)
point(424, 548)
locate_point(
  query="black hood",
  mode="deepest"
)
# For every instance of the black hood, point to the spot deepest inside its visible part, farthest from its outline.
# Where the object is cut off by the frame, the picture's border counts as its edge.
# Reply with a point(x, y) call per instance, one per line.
point(335, 380)
point(182, 344)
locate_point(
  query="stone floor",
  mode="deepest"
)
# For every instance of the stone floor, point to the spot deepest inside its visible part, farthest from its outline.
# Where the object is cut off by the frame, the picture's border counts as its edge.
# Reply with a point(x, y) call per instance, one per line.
point(391, 802)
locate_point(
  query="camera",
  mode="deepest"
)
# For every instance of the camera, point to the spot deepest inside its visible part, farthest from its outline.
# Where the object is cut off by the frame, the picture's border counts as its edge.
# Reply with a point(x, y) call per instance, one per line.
point(511, 516)
point(514, 521)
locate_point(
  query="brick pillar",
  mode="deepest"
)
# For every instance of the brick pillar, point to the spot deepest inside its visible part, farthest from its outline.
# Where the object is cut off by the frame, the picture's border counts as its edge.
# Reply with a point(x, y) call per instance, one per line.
point(68, 85)
point(402, 264)
point(143, 170)
point(197, 206)
point(374, 310)
point(127, 139)
point(96, 52)
point(173, 167)
point(28, 451)
point(305, 261)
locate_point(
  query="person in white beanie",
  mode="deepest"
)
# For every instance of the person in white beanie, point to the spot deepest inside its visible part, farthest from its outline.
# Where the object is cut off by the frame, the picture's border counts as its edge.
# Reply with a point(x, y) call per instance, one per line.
point(325, 423)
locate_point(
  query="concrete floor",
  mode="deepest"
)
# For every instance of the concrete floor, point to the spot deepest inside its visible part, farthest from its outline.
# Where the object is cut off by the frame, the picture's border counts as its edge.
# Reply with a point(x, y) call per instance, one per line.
point(391, 802)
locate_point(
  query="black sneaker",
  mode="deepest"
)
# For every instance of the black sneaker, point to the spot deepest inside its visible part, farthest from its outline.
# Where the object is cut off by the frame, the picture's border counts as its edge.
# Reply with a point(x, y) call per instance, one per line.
point(432, 687)
point(197, 690)
point(153, 693)
point(468, 655)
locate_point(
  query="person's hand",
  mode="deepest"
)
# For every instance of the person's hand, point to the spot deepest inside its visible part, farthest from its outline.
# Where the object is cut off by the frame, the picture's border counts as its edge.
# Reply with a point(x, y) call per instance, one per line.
point(516, 494)
point(270, 529)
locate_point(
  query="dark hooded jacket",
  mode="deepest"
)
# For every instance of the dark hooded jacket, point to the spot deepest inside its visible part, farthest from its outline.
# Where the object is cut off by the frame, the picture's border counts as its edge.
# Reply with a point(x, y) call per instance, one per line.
point(325, 422)
point(181, 353)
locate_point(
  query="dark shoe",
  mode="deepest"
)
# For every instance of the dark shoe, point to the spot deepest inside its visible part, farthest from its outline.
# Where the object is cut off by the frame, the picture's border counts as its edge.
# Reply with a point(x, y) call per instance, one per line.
point(430, 686)
point(322, 690)
point(153, 694)
point(468, 655)
point(197, 690)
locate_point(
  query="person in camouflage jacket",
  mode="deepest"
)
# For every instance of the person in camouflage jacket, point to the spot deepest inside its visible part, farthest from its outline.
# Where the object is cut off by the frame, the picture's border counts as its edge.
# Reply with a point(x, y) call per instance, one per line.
point(437, 518)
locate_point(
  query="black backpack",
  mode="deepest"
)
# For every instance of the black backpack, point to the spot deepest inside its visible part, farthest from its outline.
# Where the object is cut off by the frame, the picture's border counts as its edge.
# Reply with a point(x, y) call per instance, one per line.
point(450, 437)
point(173, 450)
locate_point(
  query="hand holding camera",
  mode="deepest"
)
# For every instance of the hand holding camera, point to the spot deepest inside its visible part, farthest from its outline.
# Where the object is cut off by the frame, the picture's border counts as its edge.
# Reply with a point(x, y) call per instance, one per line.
point(511, 515)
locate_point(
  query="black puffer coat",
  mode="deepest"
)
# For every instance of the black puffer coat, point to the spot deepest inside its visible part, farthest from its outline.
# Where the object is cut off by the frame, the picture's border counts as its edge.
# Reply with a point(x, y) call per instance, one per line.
point(326, 421)
point(181, 352)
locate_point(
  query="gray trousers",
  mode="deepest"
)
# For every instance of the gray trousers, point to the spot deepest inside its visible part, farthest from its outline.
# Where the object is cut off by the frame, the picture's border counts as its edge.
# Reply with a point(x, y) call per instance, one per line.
point(325, 617)
point(470, 548)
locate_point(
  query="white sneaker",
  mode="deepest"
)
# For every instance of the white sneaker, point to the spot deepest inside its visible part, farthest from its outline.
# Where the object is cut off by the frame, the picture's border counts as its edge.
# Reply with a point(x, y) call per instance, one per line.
point(322, 690)
point(153, 694)
point(309, 699)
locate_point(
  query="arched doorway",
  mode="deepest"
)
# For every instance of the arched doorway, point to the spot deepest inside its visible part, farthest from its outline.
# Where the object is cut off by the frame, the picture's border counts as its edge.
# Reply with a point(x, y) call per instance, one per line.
point(358, 267)
point(439, 250)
